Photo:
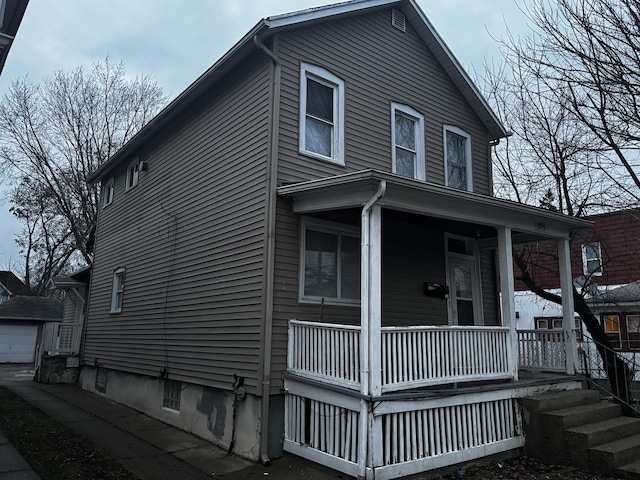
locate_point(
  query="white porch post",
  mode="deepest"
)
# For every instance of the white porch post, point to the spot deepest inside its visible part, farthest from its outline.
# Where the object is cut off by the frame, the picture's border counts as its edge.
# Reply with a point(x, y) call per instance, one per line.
point(568, 315)
point(370, 427)
point(507, 296)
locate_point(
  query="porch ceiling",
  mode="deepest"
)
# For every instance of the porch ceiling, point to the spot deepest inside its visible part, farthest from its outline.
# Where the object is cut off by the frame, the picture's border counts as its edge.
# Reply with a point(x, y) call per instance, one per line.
point(409, 195)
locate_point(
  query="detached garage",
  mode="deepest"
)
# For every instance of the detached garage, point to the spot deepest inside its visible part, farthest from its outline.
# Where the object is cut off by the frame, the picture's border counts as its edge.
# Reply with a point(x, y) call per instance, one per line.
point(21, 320)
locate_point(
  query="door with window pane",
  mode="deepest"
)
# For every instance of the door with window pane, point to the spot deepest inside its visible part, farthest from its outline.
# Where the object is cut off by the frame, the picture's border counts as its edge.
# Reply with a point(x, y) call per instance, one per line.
point(463, 291)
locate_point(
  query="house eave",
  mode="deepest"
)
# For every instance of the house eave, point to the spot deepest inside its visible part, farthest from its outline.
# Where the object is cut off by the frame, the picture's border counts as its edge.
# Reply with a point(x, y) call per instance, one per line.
point(355, 189)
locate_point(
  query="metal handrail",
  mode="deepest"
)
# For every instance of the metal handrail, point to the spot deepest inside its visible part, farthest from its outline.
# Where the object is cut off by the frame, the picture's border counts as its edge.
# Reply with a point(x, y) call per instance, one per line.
point(593, 372)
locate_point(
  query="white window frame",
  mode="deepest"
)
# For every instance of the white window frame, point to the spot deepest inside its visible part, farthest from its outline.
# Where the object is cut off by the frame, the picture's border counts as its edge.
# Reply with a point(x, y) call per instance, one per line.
point(109, 190)
point(133, 175)
point(585, 260)
point(419, 167)
point(331, 228)
point(117, 290)
point(469, 163)
point(324, 77)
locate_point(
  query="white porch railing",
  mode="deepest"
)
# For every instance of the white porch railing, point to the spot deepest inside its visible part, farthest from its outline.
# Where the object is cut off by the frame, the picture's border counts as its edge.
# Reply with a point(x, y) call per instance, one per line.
point(325, 351)
point(411, 357)
point(421, 356)
point(60, 338)
point(542, 349)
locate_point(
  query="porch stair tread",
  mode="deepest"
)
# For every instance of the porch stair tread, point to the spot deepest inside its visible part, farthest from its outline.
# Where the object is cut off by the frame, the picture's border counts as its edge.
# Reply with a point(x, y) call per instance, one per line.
point(583, 414)
point(552, 401)
point(608, 456)
point(604, 431)
point(630, 471)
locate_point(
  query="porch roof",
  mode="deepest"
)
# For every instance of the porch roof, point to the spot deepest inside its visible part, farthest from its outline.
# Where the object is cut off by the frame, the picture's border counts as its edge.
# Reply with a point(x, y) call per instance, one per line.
point(355, 189)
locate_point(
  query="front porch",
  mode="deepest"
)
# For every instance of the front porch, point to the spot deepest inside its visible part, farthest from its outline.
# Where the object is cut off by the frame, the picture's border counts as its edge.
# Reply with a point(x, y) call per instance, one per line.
point(448, 395)
point(428, 373)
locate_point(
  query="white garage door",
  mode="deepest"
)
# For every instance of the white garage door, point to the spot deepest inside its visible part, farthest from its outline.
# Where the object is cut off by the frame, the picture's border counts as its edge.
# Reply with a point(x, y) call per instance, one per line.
point(17, 343)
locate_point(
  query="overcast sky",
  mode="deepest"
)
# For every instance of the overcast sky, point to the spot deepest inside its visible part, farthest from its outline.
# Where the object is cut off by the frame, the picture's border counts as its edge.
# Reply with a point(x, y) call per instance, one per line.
point(175, 42)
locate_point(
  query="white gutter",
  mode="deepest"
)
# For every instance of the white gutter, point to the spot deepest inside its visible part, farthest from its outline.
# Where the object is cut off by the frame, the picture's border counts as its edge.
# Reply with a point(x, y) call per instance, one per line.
point(364, 327)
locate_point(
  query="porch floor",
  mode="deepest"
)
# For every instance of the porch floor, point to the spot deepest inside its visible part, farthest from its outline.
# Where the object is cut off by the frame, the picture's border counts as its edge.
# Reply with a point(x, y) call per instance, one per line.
point(526, 379)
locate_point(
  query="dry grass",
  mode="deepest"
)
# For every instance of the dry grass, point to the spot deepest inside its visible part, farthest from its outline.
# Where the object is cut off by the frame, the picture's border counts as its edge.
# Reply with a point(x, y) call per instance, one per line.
point(54, 451)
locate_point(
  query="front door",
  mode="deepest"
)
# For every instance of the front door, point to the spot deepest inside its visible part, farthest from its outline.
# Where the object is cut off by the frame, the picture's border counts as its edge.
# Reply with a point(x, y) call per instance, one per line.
point(463, 280)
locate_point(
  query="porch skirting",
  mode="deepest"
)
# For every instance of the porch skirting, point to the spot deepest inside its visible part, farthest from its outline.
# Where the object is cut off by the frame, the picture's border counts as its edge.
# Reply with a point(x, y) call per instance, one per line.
point(405, 435)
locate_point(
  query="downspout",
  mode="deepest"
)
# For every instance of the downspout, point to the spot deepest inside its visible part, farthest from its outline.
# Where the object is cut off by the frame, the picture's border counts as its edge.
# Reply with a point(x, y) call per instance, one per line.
point(364, 328)
point(270, 229)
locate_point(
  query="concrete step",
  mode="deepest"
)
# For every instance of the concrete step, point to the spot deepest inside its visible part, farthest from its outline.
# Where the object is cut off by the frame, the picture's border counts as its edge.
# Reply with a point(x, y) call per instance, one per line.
point(609, 456)
point(580, 415)
point(579, 439)
point(560, 400)
point(630, 471)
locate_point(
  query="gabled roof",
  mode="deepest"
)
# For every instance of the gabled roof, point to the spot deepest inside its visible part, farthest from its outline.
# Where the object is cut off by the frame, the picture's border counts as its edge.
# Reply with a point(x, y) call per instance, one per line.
point(38, 309)
point(12, 284)
point(272, 25)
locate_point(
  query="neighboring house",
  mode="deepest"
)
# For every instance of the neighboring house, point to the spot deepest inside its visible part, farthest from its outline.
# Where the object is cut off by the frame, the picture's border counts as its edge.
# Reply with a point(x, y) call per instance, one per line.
point(605, 260)
point(11, 13)
point(10, 286)
point(299, 253)
point(61, 341)
point(21, 320)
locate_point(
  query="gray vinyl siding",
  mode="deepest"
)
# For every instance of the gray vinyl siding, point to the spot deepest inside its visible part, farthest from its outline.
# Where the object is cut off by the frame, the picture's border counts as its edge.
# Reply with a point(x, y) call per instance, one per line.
point(190, 237)
point(69, 312)
point(379, 65)
point(489, 287)
point(413, 254)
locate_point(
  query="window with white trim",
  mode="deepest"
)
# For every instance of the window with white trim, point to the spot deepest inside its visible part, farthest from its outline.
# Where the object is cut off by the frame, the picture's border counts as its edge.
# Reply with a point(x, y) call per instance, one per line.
point(592, 259)
point(133, 174)
point(330, 263)
point(321, 114)
point(117, 290)
point(407, 134)
point(457, 155)
point(107, 198)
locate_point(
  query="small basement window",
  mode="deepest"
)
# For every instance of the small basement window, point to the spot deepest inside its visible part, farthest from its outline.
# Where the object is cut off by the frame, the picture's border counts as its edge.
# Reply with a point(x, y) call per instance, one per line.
point(172, 391)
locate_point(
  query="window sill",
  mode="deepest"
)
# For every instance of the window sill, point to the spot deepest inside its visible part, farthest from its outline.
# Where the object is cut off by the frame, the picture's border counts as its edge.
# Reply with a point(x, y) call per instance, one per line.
point(331, 301)
point(317, 156)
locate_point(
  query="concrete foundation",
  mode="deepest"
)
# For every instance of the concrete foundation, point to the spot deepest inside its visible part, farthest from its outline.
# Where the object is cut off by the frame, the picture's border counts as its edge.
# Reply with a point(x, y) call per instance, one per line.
point(58, 369)
point(204, 411)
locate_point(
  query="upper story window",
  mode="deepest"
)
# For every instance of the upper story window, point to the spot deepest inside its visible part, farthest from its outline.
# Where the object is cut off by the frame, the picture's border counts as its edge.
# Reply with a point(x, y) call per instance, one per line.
point(321, 114)
point(330, 260)
point(457, 154)
point(117, 290)
point(591, 259)
point(407, 133)
point(133, 174)
point(109, 188)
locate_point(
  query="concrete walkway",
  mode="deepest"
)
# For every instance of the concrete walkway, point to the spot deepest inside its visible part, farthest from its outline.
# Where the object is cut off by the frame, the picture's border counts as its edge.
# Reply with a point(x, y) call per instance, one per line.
point(148, 448)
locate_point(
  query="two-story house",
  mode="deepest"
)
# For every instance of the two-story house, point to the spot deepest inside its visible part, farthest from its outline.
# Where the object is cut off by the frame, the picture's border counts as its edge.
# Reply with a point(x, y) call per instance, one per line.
point(299, 253)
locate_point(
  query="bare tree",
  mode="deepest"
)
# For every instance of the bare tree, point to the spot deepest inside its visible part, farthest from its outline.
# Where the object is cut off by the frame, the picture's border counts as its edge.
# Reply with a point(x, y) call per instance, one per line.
point(570, 92)
point(52, 136)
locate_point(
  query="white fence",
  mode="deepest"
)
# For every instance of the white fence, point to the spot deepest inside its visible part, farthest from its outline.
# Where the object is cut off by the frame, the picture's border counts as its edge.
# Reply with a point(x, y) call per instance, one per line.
point(542, 349)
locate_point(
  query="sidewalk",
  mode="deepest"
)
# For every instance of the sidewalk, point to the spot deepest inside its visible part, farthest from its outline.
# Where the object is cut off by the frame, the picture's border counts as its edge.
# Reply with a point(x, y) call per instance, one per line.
point(148, 448)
